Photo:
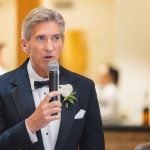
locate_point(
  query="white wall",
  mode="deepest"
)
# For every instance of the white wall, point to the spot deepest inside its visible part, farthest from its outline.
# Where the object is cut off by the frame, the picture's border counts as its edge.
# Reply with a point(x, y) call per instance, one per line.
point(132, 44)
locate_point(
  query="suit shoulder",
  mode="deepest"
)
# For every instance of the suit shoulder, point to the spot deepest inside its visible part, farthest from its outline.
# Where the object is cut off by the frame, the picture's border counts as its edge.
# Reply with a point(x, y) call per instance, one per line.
point(80, 78)
point(7, 76)
point(83, 78)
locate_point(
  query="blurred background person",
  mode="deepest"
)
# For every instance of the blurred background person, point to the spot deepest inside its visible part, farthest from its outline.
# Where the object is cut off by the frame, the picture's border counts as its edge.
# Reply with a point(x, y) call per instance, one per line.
point(2, 59)
point(107, 92)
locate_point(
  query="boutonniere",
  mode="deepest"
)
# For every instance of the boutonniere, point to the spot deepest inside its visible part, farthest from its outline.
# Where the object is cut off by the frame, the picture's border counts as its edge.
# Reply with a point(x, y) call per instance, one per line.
point(69, 95)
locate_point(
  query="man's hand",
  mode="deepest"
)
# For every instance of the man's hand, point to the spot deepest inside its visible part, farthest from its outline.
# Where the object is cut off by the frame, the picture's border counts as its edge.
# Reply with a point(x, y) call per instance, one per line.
point(43, 113)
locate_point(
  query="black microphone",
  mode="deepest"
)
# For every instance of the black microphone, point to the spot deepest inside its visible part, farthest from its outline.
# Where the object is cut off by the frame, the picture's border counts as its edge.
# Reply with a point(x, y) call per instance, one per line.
point(53, 68)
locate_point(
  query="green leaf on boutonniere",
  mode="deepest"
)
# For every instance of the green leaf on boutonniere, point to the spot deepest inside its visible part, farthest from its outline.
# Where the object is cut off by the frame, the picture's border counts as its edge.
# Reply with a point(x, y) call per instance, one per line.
point(68, 94)
point(70, 99)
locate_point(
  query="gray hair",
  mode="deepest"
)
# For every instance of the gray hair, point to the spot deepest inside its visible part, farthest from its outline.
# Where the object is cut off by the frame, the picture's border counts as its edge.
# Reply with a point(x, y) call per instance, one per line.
point(41, 14)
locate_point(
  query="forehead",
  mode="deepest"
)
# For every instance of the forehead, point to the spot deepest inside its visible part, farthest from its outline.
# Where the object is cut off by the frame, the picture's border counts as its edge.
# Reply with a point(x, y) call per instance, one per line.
point(45, 28)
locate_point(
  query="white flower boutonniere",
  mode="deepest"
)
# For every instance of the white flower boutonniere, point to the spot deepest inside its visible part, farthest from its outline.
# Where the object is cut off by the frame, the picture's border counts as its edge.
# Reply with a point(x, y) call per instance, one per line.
point(68, 94)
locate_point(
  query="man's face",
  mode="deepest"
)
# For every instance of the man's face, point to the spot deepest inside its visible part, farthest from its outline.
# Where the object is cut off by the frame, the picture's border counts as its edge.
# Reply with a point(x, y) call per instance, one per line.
point(45, 43)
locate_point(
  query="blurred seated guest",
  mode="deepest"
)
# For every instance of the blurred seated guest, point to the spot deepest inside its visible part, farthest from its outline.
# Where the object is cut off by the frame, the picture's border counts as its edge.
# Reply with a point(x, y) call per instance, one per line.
point(2, 59)
point(107, 92)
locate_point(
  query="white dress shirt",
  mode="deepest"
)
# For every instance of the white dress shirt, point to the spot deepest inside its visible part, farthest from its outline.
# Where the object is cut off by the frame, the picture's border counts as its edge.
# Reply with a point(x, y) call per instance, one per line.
point(50, 132)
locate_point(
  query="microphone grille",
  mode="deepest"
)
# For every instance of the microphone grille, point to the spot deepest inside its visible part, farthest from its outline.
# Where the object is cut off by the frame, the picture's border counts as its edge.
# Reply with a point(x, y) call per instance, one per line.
point(53, 65)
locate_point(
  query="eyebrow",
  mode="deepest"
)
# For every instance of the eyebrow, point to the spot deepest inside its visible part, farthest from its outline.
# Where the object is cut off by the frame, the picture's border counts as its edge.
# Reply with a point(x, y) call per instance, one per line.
point(58, 34)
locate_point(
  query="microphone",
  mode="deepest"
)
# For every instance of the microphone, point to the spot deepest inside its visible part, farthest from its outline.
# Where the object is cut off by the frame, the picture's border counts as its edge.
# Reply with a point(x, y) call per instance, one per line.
point(53, 68)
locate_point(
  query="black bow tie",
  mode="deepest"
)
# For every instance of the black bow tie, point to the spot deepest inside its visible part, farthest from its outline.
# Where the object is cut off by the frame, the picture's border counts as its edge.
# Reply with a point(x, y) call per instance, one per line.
point(39, 84)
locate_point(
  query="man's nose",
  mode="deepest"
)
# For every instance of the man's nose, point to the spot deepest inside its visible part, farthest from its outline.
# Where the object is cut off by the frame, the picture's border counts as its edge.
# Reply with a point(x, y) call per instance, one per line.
point(49, 45)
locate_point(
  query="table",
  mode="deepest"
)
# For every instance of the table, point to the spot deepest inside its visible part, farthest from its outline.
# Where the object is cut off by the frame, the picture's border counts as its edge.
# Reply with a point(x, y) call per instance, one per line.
point(119, 137)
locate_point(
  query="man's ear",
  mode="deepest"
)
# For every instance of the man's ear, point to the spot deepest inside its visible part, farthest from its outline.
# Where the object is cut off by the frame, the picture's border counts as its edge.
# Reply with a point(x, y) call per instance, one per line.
point(24, 45)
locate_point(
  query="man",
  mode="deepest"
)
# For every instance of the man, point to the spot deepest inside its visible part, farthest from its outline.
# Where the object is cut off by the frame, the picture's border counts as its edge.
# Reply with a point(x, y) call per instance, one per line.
point(107, 92)
point(27, 120)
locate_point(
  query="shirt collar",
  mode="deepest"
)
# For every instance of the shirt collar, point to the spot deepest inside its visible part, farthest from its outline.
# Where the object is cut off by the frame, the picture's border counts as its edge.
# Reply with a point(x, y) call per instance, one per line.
point(33, 76)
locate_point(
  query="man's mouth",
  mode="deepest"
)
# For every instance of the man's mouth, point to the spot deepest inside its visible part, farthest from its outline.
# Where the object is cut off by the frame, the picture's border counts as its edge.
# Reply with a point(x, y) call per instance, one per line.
point(48, 57)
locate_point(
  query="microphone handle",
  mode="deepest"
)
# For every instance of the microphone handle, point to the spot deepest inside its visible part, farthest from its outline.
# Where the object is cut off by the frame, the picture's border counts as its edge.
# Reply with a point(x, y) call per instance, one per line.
point(53, 83)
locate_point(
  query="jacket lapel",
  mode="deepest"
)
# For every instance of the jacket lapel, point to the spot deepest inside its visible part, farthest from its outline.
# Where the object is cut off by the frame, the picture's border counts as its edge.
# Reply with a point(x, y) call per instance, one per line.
point(23, 98)
point(67, 114)
point(22, 94)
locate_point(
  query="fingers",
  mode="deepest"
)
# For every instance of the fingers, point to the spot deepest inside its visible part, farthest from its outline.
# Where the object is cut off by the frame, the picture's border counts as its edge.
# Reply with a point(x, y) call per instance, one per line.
point(44, 112)
point(53, 110)
point(54, 117)
point(53, 107)
point(50, 95)
point(43, 115)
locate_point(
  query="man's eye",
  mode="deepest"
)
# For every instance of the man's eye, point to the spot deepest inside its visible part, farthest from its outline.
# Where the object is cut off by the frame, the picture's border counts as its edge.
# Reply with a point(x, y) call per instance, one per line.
point(41, 38)
point(56, 38)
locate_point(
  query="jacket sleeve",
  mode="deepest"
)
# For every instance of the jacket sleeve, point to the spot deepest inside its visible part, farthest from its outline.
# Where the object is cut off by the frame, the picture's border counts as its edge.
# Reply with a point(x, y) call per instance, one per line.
point(93, 138)
point(13, 133)
point(14, 138)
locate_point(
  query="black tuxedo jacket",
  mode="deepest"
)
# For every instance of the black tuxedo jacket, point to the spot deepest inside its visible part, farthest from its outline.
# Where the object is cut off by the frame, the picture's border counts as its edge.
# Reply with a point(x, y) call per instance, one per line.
point(16, 104)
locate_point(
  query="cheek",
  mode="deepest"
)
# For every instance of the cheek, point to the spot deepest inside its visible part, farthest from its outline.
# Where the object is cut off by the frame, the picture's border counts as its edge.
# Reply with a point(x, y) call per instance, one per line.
point(59, 49)
point(35, 49)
